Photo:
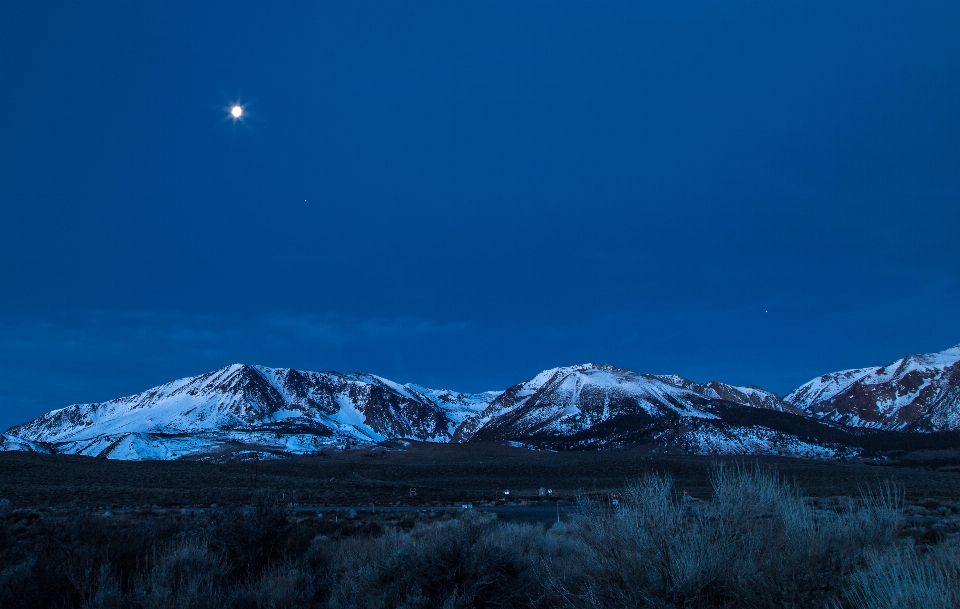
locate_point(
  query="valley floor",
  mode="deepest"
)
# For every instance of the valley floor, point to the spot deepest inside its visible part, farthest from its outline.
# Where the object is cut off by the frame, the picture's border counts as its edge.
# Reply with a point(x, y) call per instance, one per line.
point(342, 530)
point(443, 474)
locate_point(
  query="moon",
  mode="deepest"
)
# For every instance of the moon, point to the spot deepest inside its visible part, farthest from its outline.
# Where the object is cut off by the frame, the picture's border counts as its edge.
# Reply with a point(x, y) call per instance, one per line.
point(236, 111)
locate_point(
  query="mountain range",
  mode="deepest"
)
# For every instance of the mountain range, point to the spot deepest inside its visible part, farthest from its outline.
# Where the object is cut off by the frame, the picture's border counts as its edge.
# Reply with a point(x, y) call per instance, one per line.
point(243, 410)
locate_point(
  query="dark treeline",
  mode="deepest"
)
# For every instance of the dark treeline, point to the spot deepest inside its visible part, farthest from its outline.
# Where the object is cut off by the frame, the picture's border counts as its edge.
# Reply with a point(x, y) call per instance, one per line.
point(756, 543)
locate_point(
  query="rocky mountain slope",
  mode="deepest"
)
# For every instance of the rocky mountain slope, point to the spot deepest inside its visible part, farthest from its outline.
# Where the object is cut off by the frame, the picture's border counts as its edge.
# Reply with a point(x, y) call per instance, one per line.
point(916, 393)
point(243, 409)
point(289, 411)
point(564, 401)
point(284, 409)
point(9, 442)
point(590, 406)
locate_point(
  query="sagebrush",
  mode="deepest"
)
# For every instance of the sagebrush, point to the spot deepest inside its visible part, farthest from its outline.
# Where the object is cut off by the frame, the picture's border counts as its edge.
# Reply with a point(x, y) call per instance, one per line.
point(756, 543)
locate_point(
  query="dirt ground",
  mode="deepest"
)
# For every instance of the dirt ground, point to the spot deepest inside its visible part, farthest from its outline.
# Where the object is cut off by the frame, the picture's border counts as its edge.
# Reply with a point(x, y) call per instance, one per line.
point(442, 474)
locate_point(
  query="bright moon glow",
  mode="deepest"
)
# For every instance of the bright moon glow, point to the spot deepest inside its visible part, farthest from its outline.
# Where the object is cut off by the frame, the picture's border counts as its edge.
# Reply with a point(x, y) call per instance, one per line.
point(236, 111)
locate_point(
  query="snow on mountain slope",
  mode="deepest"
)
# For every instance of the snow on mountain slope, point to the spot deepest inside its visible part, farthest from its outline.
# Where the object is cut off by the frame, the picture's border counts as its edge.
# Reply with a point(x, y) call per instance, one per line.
point(233, 396)
point(10, 442)
point(734, 440)
point(457, 406)
point(566, 401)
point(752, 396)
point(239, 400)
point(138, 445)
point(289, 411)
point(246, 409)
point(916, 393)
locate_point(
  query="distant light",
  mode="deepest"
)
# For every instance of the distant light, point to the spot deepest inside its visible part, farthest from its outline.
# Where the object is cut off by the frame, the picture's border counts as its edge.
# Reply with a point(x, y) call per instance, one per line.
point(236, 111)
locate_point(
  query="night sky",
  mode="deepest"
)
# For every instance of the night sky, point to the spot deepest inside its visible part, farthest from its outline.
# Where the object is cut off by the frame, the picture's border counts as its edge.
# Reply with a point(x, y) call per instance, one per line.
point(462, 194)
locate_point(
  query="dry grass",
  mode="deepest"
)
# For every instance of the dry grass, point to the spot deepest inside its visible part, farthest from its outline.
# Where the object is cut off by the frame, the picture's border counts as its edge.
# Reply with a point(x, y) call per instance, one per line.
point(754, 541)
point(758, 543)
point(904, 578)
point(442, 473)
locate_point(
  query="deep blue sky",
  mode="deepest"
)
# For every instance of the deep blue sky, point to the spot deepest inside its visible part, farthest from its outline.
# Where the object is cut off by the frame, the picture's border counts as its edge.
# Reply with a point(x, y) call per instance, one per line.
point(462, 194)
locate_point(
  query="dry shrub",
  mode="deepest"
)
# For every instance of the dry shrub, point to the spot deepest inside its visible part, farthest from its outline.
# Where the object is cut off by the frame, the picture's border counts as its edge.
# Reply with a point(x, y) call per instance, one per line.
point(103, 591)
point(467, 562)
point(252, 540)
point(903, 578)
point(285, 586)
point(184, 575)
point(14, 580)
point(757, 543)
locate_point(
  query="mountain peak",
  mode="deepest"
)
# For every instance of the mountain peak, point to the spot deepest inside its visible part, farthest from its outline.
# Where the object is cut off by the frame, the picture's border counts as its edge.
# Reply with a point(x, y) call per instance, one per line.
point(917, 392)
point(580, 406)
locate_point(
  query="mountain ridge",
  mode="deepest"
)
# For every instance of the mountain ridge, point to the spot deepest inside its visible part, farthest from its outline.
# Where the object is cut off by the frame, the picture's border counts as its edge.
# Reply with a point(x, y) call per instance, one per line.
point(913, 393)
point(585, 406)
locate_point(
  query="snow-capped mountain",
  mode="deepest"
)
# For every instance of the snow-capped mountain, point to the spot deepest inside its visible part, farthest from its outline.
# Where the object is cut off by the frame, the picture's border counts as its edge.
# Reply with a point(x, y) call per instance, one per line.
point(243, 408)
point(458, 407)
point(570, 400)
point(590, 406)
point(9, 442)
point(916, 393)
point(280, 408)
point(289, 411)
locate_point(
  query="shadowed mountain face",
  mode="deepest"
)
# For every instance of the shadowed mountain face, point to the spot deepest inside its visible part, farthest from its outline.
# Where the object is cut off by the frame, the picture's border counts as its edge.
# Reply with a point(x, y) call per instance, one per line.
point(565, 401)
point(592, 406)
point(240, 400)
point(278, 410)
point(293, 411)
point(916, 393)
